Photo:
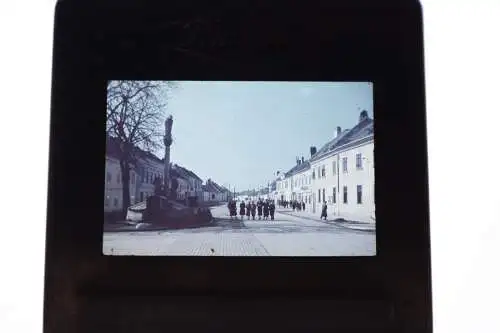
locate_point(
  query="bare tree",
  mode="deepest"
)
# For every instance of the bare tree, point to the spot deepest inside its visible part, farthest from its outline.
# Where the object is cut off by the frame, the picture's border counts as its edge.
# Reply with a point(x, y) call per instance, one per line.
point(135, 115)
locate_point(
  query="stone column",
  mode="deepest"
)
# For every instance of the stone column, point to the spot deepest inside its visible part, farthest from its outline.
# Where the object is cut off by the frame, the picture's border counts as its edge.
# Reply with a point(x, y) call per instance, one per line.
point(167, 140)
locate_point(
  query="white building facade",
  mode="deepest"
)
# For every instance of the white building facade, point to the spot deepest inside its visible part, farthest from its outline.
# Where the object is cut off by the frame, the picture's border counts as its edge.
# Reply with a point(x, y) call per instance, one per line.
point(343, 174)
point(113, 186)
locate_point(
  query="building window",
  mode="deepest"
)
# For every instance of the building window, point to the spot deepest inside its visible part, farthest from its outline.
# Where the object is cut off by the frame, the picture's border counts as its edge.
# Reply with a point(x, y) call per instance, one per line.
point(345, 194)
point(319, 195)
point(359, 190)
point(334, 167)
point(323, 171)
point(344, 164)
point(132, 178)
point(108, 177)
point(334, 198)
point(324, 195)
point(115, 202)
point(314, 175)
point(359, 162)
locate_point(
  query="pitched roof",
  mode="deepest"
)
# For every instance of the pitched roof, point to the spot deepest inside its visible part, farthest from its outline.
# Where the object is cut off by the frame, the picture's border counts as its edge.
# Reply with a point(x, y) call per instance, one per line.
point(298, 168)
point(363, 131)
point(212, 186)
point(184, 173)
point(113, 147)
point(348, 138)
point(113, 150)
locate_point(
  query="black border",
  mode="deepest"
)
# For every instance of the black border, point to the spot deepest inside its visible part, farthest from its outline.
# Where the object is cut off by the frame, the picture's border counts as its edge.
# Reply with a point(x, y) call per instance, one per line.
point(319, 40)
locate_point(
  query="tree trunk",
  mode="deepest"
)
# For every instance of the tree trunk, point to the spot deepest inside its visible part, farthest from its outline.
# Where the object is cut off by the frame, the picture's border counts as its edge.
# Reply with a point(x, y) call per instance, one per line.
point(125, 170)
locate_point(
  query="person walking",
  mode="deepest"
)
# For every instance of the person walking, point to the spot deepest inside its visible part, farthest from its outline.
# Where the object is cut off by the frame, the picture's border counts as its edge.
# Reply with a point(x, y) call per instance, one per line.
point(259, 208)
point(249, 207)
point(272, 208)
point(293, 206)
point(229, 209)
point(253, 207)
point(242, 209)
point(303, 205)
point(266, 210)
point(324, 211)
point(233, 209)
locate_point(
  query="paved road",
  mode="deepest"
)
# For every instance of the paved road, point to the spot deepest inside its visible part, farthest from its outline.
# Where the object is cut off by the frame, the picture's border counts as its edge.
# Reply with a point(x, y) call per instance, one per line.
point(285, 236)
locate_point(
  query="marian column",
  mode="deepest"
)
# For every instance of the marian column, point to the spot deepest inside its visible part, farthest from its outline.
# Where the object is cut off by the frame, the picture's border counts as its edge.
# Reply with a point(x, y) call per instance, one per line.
point(167, 140)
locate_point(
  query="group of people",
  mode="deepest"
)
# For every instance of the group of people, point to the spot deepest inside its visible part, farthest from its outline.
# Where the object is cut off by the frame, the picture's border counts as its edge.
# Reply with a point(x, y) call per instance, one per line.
point(263, 209)
point(294, 204)
point(298, 206)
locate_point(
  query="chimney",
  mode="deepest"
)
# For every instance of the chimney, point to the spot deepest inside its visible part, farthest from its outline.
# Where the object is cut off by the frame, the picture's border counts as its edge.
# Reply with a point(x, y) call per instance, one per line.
point(363, 115)
point(297, 160)
point(302, 159)
point(338, 131)
point(313, 150)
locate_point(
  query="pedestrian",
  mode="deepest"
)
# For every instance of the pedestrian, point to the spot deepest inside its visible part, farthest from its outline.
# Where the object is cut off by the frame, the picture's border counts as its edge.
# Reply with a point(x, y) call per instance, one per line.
point(303, 205)
point(299, 206)
point(249, 207)
point(293, 206)
point(324, 211)
point(259, 208)
point(272, 208)
point(233, 209)
point(229, 209)
point(242, 209)
point(266, 210)
point(253, 207)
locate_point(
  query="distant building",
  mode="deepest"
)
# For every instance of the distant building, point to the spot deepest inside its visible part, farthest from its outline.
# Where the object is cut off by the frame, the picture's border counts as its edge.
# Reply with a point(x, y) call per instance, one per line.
point(189, 184)
point(294, 185)
point(214, 192)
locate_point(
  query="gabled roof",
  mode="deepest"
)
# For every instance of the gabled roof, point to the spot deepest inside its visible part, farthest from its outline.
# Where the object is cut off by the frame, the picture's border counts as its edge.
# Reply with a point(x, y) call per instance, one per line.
point(113, 147)
point(363, 130)
point(113, 150)
point(184, 173)
point(212, 186)
point(298, 168)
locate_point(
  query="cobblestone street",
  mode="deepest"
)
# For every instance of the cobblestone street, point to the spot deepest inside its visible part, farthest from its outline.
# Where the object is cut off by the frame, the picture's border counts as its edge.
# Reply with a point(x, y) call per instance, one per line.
point(285, 236)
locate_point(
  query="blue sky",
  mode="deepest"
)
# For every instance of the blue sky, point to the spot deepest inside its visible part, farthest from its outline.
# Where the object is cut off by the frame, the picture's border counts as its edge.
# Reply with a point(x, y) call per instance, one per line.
point(241, 133)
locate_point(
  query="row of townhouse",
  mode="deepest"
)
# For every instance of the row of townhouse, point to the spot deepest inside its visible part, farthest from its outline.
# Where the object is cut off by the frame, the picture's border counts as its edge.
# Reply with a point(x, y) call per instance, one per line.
point(213, 192)
point(143, 173)
point(146, 169)
point(341, 173)
point(189, 184)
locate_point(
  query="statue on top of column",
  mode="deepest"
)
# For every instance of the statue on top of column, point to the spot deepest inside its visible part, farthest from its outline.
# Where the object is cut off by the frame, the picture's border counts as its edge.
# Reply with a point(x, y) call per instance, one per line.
point(168, 131)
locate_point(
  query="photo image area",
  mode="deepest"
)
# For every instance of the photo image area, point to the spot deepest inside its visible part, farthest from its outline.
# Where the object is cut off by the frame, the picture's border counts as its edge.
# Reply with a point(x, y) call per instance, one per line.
point(214, 168)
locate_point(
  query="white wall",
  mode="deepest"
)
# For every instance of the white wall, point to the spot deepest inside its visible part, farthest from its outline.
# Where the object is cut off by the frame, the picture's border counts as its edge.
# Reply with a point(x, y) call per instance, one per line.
point(113, 186)
point(350, 179)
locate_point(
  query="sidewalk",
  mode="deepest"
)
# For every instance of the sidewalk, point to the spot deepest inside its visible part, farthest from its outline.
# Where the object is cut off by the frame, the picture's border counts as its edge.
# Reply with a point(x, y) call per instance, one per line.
point(127, 226)
point(341, 221)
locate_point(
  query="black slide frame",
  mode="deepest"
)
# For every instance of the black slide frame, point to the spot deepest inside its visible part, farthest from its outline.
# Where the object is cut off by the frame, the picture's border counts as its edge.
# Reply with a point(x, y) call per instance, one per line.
point(314, 40)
